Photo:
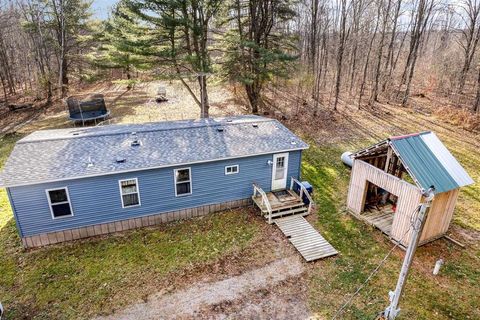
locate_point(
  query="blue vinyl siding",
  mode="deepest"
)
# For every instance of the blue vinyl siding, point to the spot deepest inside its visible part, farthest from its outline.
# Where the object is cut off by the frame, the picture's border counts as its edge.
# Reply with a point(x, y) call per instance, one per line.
point(97, 200)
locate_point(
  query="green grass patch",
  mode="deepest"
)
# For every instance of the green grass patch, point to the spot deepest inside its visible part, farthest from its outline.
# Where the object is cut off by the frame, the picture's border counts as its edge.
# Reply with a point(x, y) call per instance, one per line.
point(84, 278)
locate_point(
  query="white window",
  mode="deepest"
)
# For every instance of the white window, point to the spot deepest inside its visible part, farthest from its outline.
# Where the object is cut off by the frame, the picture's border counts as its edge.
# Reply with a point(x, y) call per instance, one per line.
point(129, 192)
point(183, 182)
point(231, 169)
point(59, 202)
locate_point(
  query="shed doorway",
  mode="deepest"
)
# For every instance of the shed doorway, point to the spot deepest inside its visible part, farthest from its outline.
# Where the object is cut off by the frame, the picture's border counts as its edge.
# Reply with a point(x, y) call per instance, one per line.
point(380, 207)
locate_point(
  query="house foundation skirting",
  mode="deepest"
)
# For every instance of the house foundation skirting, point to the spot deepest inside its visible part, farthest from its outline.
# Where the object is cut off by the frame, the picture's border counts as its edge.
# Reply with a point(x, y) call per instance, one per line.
point(122, 225)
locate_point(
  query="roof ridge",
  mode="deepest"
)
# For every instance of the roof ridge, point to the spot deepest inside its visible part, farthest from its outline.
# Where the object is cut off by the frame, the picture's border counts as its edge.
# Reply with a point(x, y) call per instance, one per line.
point(409, 135)
point(182, 124)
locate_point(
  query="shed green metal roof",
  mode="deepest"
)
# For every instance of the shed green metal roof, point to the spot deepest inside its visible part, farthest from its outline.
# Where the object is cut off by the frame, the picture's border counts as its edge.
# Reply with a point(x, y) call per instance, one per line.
point(429, 162)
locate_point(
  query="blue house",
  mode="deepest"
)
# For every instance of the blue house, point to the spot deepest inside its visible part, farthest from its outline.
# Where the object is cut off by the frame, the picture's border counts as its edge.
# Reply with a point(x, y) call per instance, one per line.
point(74, 183)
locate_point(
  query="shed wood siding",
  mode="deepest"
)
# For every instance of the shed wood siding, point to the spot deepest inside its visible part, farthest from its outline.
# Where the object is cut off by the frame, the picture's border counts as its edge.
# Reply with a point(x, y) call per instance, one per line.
point(97, 200)
point(440, 215)
point(409, 196)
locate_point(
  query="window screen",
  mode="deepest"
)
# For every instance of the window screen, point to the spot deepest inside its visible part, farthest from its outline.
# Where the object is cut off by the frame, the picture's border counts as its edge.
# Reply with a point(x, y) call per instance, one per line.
point(59, 203)
point(183, 183)
point(129, 191)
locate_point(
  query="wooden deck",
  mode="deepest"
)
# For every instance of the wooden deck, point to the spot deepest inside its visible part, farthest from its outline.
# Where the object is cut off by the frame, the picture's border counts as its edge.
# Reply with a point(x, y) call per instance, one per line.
point(305, 238)
point(282, 203)
point(280, 200)
point(379, 219)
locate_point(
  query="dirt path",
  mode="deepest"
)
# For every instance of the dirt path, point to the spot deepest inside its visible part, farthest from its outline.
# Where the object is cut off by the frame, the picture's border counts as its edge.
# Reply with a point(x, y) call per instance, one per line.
point(235, 297)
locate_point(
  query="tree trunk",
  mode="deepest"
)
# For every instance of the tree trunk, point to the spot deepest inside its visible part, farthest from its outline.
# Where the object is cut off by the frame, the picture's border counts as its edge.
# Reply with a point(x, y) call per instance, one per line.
point(341, 49)
point(476, 105)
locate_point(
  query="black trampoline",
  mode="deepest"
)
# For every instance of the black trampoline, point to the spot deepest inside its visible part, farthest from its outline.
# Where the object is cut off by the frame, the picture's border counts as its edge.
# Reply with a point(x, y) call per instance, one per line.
point(93, 109)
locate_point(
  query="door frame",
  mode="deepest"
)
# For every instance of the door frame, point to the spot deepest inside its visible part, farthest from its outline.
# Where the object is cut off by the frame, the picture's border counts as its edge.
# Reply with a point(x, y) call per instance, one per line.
point(274, 166)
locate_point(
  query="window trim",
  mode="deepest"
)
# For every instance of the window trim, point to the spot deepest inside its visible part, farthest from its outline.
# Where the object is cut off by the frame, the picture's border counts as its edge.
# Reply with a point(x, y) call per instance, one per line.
point(189, 180)
point(50, 204)
point(122, 194)
point(232, 166)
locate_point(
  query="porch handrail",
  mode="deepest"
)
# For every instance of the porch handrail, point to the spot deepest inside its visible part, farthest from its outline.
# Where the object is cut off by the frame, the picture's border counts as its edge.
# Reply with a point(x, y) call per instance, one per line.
point(303, 191)
point(257, 189)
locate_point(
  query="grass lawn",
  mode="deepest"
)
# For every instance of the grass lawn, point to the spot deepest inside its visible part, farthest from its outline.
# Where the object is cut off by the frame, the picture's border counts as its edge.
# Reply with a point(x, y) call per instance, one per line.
point(84, 278)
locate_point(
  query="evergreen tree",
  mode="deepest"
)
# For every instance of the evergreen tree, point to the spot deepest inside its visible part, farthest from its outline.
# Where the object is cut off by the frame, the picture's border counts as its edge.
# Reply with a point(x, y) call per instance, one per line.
point(68, 20)
point(256, 48)
point(181, 39)
point(123, 43)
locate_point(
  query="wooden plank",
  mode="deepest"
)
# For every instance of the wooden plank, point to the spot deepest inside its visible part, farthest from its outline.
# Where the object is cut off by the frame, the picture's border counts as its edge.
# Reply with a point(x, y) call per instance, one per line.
point(309, 243)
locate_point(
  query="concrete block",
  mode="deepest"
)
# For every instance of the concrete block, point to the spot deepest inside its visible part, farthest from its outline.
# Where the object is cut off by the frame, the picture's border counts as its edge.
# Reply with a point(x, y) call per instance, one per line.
point(118, 226)
point(75, 234)
point(111, 227)
point(29, 242)
point(68, 235)
point(83, 232)
point(60, 236)
point(151, 220)
point(52, 238)
point(183, 214)
point(44, 239)
point(90, 231)
point(138, 222)
point(144, 221)
point(163, 217)
point(125, 225)
point(131, 224)
point(104, 227)
point(36, 241)
point(157, 219)
point(97, 229)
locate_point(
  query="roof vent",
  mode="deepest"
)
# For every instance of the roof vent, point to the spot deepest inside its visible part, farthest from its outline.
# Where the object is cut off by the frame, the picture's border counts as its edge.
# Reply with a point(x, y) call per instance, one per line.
point(255, 125)
point(89, 162)
point(220, 129)
point(120, 160)
point(293, 142)
point(135, 141)
point(229, 120)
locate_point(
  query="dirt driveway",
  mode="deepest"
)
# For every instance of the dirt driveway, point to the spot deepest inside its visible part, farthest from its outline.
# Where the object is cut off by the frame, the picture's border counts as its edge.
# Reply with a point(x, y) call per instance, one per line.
point(267, 292)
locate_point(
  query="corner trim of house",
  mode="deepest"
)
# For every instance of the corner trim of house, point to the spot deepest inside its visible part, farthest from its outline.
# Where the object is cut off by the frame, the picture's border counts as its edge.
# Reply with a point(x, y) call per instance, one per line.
point(45, 239)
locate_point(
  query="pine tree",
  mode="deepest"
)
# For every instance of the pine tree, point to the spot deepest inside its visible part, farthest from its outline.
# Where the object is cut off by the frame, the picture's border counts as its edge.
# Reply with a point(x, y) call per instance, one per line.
point(181, 39)
point(67, 20)
point(123, 44)
point(256, 49)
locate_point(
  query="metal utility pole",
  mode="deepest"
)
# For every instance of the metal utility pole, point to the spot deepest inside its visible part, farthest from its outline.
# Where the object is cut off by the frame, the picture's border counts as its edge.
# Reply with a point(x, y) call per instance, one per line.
point(392, 310)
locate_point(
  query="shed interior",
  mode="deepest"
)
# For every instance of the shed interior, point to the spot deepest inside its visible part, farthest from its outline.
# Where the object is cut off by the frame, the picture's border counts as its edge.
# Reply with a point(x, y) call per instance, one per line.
point(380, 205)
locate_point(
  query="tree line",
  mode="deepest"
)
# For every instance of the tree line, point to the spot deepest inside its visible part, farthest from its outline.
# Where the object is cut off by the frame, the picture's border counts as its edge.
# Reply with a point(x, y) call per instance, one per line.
point(354, 52)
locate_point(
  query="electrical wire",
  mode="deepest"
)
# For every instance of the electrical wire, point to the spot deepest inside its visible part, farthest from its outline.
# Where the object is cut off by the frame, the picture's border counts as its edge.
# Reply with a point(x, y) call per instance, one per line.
point(377, 268)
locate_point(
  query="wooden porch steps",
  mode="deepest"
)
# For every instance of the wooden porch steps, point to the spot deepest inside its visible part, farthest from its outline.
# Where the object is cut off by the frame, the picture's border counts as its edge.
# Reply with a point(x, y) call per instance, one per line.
point(303, 211)
point(305, 238)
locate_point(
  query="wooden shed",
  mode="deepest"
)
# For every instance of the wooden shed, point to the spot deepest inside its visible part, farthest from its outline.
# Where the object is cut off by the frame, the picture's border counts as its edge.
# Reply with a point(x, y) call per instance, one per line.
point(388, 178)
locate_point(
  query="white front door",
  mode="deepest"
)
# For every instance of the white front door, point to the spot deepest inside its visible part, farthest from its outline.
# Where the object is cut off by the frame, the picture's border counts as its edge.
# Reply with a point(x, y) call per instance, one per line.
point(279, 171)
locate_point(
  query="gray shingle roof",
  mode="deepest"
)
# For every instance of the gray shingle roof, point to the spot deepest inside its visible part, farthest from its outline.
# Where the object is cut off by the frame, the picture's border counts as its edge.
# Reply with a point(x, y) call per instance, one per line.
point(61, 154)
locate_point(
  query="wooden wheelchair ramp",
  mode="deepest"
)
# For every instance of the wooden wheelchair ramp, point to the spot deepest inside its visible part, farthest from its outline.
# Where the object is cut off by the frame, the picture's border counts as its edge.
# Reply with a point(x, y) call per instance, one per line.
point(305, 238)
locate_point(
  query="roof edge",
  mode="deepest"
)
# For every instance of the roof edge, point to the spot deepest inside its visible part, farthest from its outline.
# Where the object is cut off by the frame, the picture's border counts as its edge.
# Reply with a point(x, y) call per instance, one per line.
point(6, 185)
point(405, 136)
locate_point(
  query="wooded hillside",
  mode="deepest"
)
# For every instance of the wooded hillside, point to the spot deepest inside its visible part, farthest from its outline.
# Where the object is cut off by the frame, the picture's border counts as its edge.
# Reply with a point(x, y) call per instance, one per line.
point(352, 52)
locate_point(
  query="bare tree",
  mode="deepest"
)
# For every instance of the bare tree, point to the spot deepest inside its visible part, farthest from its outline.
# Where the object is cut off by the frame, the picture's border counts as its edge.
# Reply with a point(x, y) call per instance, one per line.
point(470, 36)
